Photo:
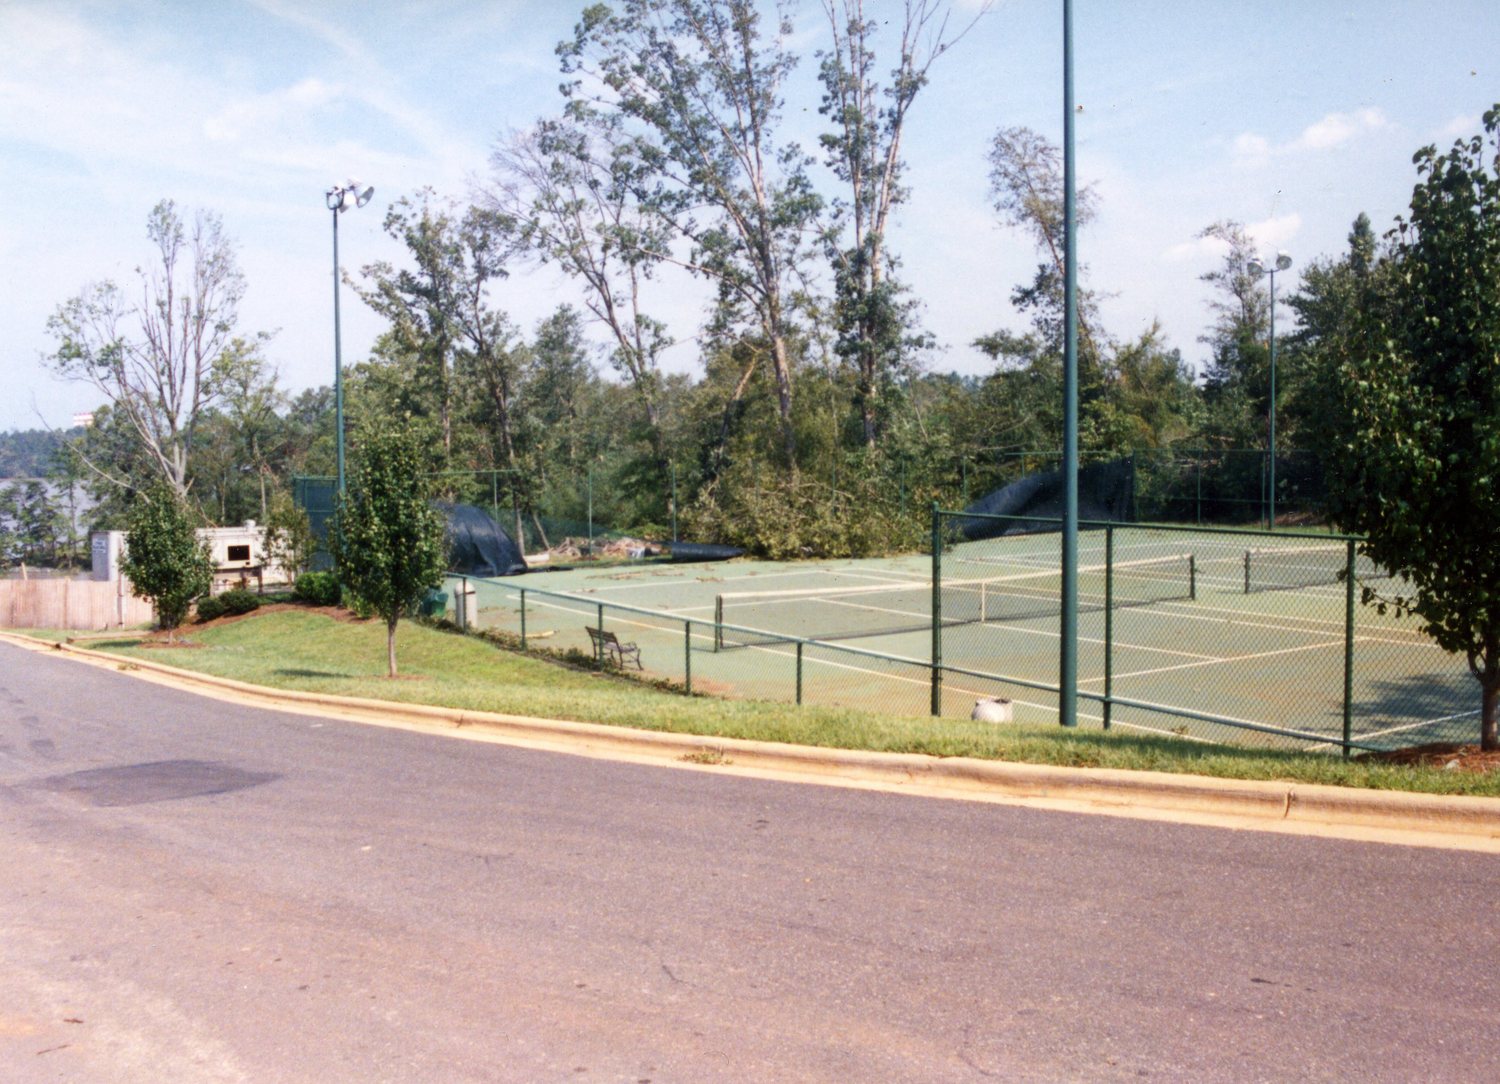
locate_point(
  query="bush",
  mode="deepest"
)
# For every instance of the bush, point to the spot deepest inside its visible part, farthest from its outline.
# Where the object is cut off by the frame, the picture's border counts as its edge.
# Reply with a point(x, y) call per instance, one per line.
point(239, 601)
point(318, 589)
point(229, 604)
point(210, 608)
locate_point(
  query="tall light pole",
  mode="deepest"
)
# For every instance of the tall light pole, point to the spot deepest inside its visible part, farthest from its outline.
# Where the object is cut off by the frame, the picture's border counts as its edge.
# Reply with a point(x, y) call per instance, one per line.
point(339, 199)
point(1257, 268)
point(1067, 670)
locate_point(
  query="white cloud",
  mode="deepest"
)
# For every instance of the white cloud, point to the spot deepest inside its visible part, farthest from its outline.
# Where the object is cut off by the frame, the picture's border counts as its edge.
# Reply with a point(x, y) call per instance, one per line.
point(1337, 129)
point(1460, 127)
point(1333, 130)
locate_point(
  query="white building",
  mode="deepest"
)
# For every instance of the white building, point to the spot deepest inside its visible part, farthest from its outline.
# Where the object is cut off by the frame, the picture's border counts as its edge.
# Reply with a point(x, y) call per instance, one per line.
point(238, 554)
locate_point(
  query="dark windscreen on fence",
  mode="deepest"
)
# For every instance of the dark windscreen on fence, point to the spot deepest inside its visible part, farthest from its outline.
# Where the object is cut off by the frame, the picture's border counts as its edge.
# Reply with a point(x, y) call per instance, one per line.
point(477, 545)
point(1106, 491)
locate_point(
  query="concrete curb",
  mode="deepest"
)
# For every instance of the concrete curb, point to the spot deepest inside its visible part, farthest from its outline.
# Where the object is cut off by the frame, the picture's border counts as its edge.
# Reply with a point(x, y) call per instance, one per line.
point(1249, 803)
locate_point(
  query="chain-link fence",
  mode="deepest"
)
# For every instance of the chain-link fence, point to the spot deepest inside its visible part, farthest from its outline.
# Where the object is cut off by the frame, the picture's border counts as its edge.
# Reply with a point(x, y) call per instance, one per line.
point(1221, 635)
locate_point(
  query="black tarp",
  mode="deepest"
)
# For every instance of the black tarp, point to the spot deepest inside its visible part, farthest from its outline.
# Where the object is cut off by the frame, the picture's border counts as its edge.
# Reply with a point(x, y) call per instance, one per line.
point(702, 551)
point(1106, 491)
point(477, 545)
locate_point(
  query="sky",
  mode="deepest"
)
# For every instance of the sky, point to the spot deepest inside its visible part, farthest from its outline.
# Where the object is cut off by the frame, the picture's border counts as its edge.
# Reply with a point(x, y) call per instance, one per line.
point(1290, 117)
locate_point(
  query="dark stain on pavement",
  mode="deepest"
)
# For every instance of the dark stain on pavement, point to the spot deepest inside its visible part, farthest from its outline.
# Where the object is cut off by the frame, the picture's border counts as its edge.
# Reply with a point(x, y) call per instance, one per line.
point(158, 781)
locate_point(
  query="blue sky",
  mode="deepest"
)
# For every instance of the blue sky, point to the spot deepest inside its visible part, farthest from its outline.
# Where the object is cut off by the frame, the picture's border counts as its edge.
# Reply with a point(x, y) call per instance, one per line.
point(1290, 117)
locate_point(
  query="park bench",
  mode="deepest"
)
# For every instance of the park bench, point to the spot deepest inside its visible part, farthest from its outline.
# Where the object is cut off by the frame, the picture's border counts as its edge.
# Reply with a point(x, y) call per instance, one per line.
point(607, 645)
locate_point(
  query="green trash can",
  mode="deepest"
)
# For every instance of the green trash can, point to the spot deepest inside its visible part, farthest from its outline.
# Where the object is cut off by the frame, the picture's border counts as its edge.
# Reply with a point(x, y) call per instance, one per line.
point(434, 603)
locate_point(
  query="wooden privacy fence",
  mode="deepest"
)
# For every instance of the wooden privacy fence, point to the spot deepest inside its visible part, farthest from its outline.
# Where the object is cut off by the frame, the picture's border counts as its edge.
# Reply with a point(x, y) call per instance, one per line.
point(70, 604)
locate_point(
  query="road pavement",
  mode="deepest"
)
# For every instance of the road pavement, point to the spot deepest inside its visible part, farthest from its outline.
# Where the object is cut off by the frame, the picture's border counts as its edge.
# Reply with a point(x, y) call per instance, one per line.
point(196, 890)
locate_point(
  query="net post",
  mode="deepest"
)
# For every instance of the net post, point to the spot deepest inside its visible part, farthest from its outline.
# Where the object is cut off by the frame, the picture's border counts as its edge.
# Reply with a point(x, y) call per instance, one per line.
point(1192, 577)
point(1247, 571)
point(687, 657)
point(1348, 644)
point(1109, 624)
point(936, 704)
point(800, 645)
point(718, 622)
point(523, 619)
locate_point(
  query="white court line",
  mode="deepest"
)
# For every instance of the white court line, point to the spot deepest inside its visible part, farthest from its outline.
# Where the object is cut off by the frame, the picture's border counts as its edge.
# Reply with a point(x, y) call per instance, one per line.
point(1226, 659)
point(1418, 725)
point(1012, 627)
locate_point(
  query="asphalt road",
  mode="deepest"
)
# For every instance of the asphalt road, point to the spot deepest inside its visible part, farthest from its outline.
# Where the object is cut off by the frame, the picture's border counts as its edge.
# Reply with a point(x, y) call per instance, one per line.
point(193, 890)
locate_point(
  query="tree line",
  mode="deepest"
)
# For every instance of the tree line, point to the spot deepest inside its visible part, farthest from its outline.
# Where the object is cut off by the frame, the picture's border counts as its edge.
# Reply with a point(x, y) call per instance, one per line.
point(814, 415)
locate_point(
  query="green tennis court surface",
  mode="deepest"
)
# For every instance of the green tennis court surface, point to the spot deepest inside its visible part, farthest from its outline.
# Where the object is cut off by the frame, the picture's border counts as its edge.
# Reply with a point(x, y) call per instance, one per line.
point(1203, 623)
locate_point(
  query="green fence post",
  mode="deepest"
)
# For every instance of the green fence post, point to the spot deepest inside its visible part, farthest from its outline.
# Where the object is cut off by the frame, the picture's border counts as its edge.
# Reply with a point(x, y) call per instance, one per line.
point(591, 510)
point(799, 673)
point(674, 502)
point(523, 619)
point(937, 611)
point(598, 644)
point(1109, 624)
point(1348, 645)
point(687, 657)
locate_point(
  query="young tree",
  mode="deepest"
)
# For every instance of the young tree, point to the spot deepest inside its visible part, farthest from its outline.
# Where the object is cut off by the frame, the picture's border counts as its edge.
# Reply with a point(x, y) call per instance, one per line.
point(164, 559)
point(1416, 456)
point(157, 361)
point(386, 540)
point(700, 86)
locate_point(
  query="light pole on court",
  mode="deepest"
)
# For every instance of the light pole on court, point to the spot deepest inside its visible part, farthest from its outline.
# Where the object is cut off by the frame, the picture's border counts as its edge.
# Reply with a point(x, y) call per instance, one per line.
point(1258, 267)
point(339, 199)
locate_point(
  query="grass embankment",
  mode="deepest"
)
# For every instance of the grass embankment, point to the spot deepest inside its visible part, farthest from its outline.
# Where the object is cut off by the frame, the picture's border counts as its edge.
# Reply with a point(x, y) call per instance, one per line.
point(313, 652)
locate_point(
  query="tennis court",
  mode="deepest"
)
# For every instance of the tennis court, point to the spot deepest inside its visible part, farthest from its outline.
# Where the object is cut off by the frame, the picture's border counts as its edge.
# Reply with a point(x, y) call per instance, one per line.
point(1226, 636)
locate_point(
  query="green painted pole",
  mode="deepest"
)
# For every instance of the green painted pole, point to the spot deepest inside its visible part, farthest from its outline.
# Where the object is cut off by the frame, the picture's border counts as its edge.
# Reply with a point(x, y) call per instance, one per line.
point(523, 619)
point(1109, 624)
point(937, 611)
point(1348, 645)
point(1272, 435)
point(338, 361)
point(1067, 671)
point(674, 502)
point(687, 657)
point(799, 672)
point(591, 510)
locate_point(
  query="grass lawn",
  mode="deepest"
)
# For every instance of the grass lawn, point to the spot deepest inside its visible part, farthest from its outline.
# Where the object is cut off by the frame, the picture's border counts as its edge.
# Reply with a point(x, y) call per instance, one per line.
point(312, 651)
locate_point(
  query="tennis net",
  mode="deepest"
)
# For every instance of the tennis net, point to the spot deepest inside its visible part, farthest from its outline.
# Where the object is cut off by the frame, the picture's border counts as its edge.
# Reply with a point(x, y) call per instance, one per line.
point(745, 618)
point(1278, 568)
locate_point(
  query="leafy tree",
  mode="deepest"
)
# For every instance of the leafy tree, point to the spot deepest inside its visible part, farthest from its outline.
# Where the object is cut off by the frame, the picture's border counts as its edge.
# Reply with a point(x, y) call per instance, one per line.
point(386, 540)
point(698, 85)
point(164, 559)
point(573, 193)
point(1415, 454)
point(1237, 386)
point(158, 363)
point(287, 536)
point(875, 323)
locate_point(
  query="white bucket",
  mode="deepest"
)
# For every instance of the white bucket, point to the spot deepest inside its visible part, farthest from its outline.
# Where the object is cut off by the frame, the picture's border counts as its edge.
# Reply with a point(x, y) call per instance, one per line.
point(993, 709)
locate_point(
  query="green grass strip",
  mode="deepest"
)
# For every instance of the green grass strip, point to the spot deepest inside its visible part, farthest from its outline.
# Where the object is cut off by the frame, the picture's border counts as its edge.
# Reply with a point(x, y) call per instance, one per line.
point(312, 652)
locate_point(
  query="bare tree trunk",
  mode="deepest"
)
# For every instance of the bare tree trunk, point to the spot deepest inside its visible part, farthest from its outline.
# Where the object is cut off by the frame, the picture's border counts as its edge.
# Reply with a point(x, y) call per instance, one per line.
point(390, 647)
point(1489, 735)
point(784, 399)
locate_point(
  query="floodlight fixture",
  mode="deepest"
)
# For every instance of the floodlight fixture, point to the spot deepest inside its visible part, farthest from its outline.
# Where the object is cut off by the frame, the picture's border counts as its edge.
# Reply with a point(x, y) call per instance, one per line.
point(1257, 267)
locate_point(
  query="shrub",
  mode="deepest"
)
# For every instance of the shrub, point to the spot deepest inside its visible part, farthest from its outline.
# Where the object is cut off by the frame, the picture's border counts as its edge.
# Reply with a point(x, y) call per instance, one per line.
point(210, 608)
point(318, 589)
point(229, 604)
point(239, 601)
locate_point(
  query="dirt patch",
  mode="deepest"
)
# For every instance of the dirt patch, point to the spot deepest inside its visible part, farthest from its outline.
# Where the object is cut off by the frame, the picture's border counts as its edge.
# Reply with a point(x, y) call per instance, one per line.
point(160, 640)
point(1449, 756)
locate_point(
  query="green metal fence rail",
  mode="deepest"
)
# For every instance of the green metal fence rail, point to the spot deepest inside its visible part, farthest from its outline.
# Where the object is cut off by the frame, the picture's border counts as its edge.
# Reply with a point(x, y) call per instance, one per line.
point(1304, 668)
